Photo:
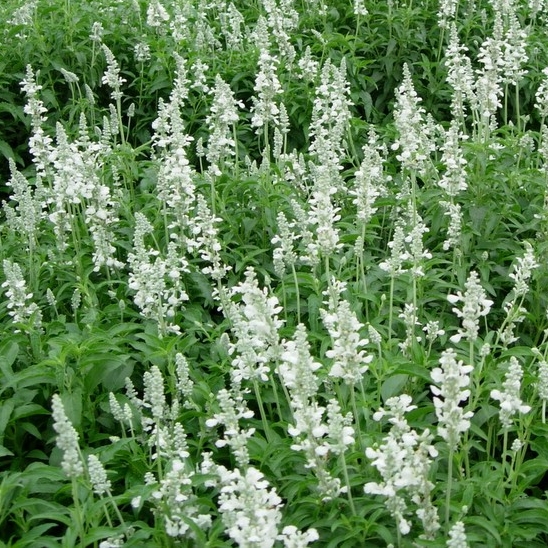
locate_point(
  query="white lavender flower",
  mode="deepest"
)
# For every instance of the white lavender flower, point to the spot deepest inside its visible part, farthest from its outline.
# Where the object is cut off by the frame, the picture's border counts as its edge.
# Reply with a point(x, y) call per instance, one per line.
point(523, 270)
point(453, 180)
point(141, 51)
point(399, 255)
point(24, 14)
point(293, 538)
point(282, 20)
point(541, 96)
point(410, 320)
point(123, 414)
point(460, 75)
point(233, 408)
point(39, 141)
point(255, 324)
point(350, 360)
point(433, 331)
point(250, 510)
point(199, 70)
point(403, 460)
point(446, 12)
point(157, 15)
point(297, 368)
point(20, 306)
point(154, 397)
point(221, 122)
point(177, 502)
point(454, 212)
point(112, 77)
point(340, 431)
point(98, 476)
point(322, 216)
point(542, 385)
point(308, 66)
point(330, 119)
point(509, 396)
point(157, 281)
point(370, 180)
point(359, 8)
point(67, 440)
point(185, 384)
point(514, 51)
point(231, 26)
point(97, 32)
point(267, 87)
point(284, 255)
point(452, 380)
point(415, 140)
point(475, 305)
point(457, 536)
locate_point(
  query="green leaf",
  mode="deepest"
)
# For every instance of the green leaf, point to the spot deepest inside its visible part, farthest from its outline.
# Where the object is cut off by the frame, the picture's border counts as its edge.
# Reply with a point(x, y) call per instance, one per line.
point(489, 526)
point(5, 452)
point(393, 386)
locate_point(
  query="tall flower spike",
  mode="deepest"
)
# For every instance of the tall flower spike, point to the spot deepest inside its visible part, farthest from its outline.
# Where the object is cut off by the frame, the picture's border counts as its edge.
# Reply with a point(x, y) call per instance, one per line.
point(403, 461)
point(251, 512)
point(451, 379)
point(415, 140)
point(267, 87)
point(39, 142)
point(67, 440)
point(20, 307)
point(509, 397)
point(475, 305)
point(221, 120)
point(350, 360)
point(255, 324)
point(112, 77)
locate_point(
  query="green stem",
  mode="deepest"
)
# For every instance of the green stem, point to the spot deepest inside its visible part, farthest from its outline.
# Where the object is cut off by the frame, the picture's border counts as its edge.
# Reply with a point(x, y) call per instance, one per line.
point(448, 488)
point(297, 293)
point(347, 481)
point(266, 426)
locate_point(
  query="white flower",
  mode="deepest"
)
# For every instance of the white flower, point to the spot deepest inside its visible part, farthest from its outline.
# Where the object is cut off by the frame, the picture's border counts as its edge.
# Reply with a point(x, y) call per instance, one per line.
point(98, 476)
point(475, 305)
point(452, 380)
point(457, 536)
point(67, 440)
point(509, 397)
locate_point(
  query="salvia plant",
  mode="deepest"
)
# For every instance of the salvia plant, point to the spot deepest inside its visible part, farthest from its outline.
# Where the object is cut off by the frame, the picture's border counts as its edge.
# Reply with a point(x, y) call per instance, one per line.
point(273, 273)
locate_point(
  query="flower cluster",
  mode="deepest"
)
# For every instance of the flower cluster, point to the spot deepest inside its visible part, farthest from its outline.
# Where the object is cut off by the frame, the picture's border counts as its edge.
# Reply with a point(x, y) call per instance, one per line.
point(509, 396)
point(416, 135)
point(233, 408)
point(221, 121)
point(67, 440)
point(39, 142)
point(251, 511)
point(404, 460)
point(112, 77)
point(475, 305)
point(267, 87)
point(451, 379)
point(350, 360)
point(314, 436)
point(21, 309)
point(255, 325)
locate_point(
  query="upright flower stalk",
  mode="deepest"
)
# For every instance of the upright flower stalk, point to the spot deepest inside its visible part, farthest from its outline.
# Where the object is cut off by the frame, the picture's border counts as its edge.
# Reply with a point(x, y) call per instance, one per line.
point(403, 460)
point(452, 379)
